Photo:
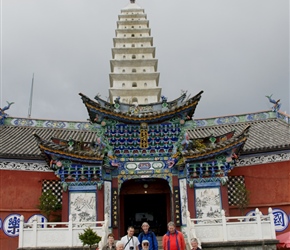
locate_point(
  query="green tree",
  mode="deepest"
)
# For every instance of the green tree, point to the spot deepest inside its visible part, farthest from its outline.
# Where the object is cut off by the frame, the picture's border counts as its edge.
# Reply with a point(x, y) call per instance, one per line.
point(48, 203)
point(89, 237)
point(243, 197)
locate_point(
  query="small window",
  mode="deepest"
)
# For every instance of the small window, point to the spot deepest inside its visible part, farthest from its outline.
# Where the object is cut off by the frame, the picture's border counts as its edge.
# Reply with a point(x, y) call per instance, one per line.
point(134, 99)
point(132, 27)
point(140, 34)
point(133, 45)
point(139, 26)
point(123, 70)
point(134, 84)
point(146, 100)
point(133, 70)
point(143, 56)
point(124, 56)
point(144, 70)
point(123, 84)
point(124, 35)
point(124, 45)
point(132, 35)
point(133, 57)
point(141, 45)
point(145, 84)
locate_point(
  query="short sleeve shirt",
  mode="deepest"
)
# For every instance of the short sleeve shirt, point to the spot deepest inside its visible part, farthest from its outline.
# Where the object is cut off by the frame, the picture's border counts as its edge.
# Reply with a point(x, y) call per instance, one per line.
point(134, 242)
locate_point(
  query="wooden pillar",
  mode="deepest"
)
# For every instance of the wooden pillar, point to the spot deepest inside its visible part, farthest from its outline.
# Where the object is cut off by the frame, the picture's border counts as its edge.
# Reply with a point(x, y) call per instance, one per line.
point(191, 201)
point(225, 199)
point(100, 203)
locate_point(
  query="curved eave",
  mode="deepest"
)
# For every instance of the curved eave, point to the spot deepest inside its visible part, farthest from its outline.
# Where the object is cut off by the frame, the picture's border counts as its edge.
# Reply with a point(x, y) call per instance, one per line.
point(75, 157)
point(211, 153)
point(188, 109)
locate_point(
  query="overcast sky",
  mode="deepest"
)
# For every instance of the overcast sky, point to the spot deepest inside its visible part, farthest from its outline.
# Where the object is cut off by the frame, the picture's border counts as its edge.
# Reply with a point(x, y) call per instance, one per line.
point(237, 51)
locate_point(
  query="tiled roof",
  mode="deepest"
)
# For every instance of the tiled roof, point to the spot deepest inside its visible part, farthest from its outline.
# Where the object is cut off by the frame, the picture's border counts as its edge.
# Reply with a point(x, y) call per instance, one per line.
point(265, 135)
point(269, 134)
point(236, 142)
point(19, 142)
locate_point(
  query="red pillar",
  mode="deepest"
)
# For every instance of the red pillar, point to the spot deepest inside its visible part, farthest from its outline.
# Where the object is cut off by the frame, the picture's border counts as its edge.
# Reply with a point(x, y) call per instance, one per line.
point(65, 208)
point(225, 199)
point(100, 203)
point(190, 201)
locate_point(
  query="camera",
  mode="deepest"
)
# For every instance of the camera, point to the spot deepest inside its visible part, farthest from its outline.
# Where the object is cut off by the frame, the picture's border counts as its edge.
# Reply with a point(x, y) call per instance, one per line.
point(131, 248)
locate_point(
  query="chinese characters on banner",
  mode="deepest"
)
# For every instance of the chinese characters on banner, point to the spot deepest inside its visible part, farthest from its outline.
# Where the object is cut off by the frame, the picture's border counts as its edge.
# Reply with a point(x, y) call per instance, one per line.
point(115, 207)
point(176, 204)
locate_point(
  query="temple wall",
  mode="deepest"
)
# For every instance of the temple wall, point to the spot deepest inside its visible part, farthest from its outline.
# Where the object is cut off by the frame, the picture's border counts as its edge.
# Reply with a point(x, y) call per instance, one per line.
point(269, 186)
point(268, 183)
point(20, 191)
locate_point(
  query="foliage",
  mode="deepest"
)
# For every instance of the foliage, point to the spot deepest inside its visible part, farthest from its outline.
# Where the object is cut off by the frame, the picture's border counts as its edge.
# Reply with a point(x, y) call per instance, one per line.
point(48, 203)
point(89, 237)
point(243, 197)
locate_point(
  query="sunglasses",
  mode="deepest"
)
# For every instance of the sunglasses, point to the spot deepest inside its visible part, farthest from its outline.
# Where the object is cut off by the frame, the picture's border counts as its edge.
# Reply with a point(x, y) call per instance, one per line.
point(145, 244)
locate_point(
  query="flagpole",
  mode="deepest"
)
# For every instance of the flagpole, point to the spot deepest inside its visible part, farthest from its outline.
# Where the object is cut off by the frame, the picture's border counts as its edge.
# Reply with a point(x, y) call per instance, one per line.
point(30, 99)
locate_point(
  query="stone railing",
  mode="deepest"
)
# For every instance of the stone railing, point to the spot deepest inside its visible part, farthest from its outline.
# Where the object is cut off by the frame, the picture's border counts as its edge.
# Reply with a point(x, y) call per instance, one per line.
point(237, 228)
point(58, 234)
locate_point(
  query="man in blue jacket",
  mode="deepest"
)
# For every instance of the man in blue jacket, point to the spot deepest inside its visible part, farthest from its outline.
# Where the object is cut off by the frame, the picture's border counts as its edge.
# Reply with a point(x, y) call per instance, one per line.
point(148, 235)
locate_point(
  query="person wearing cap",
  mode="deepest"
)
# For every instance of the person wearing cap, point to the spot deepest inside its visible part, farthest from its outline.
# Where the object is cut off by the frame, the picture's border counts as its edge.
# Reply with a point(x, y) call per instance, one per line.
point(145, 245)
point(173, 239)
point(149, 236)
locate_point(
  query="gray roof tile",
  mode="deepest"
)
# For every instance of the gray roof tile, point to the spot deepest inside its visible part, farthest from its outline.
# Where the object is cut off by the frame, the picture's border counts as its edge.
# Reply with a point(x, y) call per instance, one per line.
point(265, 135)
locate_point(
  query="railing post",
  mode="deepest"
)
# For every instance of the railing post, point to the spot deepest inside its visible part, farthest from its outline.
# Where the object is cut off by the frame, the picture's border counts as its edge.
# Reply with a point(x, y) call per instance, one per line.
point(34, 230)
point(70, 231)
point(21, 227)
point(224, 223)
point(272, 224)
point(259, 226)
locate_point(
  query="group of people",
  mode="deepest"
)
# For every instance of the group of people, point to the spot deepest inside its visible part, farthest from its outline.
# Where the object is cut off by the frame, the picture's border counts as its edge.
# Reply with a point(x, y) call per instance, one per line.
point(146, 240)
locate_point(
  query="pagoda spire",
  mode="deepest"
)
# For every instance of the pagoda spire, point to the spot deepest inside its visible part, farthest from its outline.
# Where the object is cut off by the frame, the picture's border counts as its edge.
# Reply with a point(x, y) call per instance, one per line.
point(134, 78)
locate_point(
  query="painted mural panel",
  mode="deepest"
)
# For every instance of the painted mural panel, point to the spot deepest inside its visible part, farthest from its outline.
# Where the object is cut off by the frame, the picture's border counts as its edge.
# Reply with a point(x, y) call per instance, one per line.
point(83, 206)
point(208, 201)
point(183, 200)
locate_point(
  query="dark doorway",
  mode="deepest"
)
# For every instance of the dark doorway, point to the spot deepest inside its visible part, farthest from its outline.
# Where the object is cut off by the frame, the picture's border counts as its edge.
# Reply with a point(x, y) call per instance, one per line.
point(146, 207)
point(145, 200)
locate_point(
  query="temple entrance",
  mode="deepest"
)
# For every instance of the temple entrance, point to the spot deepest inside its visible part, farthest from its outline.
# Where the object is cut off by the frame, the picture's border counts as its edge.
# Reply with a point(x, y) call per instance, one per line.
point(145, 200)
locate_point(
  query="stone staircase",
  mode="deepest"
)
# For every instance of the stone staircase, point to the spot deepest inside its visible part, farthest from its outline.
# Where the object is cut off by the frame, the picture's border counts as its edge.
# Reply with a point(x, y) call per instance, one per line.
point(159, 239)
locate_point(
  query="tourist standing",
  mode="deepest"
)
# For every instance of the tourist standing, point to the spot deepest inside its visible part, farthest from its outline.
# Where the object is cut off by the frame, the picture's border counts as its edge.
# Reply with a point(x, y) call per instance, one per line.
point(130, 241)
point(194, 244)
point(110, 244)
point(173, 239)
point(145, 245)
point(148, 235)
point(119, 245)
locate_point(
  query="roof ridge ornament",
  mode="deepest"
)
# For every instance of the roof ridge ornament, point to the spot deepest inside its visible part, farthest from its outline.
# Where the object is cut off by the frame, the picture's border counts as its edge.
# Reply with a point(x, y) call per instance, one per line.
point(132, 1)
point(277, 105)
point(3, 115)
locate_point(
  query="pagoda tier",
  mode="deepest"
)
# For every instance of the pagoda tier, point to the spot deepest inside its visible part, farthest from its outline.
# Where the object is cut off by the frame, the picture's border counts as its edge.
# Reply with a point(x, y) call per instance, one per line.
point(134, 77)
point(180, 108)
